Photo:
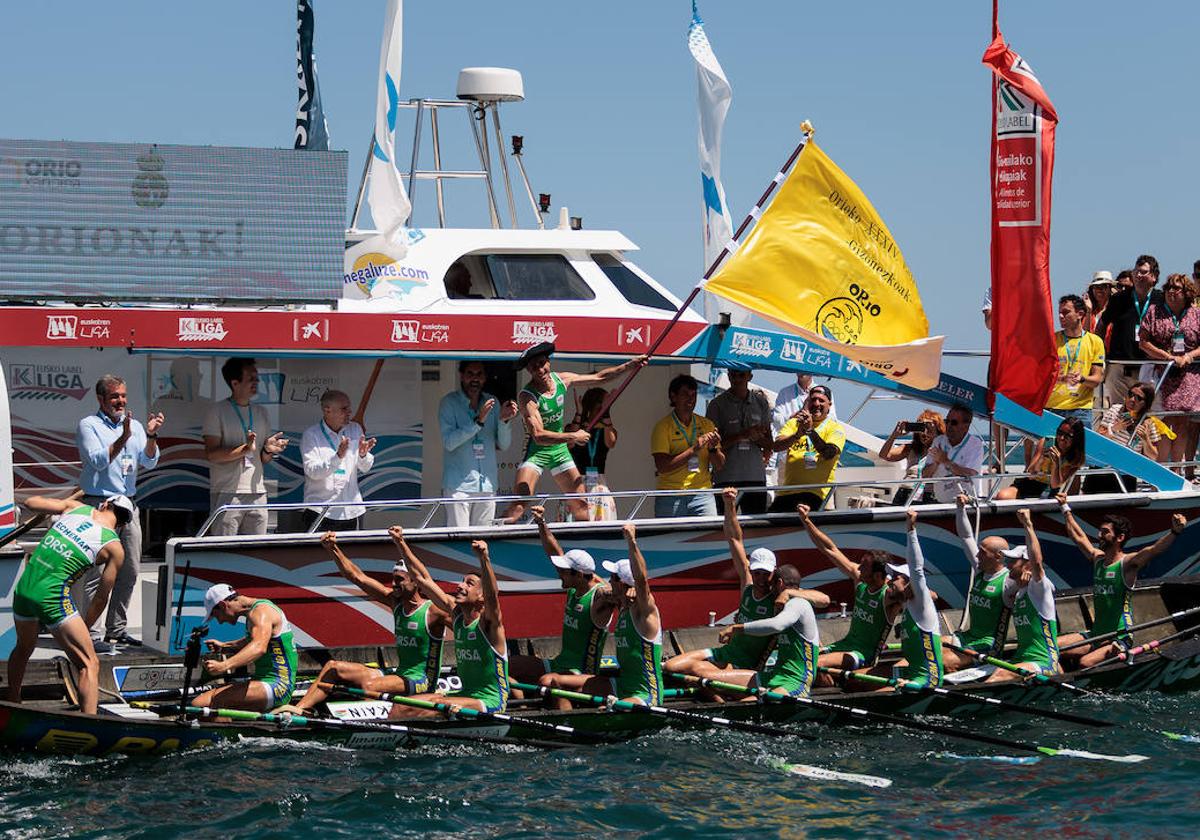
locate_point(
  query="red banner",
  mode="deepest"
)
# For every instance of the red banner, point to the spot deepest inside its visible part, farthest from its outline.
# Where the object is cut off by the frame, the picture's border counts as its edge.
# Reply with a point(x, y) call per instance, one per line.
point(1024, 360)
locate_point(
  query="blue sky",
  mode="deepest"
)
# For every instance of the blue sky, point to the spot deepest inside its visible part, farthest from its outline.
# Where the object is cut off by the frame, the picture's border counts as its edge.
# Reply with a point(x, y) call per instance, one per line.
point(896, 91)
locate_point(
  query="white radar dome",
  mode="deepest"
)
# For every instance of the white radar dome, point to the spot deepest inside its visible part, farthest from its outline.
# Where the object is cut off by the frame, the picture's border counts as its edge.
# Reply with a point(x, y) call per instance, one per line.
point(490, 84)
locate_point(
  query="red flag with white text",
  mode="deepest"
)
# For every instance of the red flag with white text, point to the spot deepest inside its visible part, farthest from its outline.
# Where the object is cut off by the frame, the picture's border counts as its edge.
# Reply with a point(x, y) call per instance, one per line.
point(1024, 360)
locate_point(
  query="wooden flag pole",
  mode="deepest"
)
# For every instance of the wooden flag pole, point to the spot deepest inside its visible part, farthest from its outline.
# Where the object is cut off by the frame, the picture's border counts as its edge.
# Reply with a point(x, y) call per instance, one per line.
point(755, 213)
point(366, 397)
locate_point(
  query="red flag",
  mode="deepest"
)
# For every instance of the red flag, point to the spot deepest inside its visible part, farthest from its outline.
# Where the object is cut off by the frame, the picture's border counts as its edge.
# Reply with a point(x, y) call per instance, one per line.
point(1024, 359)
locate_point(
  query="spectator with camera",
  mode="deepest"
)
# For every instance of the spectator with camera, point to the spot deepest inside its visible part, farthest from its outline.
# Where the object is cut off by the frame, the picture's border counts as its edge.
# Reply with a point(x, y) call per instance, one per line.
point(928, 426)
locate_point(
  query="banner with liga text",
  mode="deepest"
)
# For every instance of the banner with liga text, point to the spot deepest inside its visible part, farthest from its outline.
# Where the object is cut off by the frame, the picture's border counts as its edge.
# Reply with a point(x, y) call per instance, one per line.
point(821, 263)
point(1024, 361)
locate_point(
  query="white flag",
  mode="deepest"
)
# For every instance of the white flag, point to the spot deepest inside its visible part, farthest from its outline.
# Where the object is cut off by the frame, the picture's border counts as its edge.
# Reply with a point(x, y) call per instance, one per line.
point(389, 202)
point(714, 97)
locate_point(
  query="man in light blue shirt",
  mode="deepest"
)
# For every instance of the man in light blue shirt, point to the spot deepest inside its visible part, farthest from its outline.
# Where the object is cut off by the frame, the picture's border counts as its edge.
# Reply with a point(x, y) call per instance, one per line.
point(473, 431)
point(112, 445)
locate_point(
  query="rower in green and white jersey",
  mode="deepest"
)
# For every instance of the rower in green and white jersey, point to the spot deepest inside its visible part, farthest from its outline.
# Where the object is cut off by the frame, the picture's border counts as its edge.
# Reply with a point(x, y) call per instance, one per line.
point(756, 578)
point(542, 403)
point(1115, 574)
point(986, 618)
point(1034, 615)
point(638, 637)
point(876, 607)
point(588, 612)
point(268, 648)
point(420, 629)
point(83, 537)
point(798, 642)
point(919, 633)
point(480, 646)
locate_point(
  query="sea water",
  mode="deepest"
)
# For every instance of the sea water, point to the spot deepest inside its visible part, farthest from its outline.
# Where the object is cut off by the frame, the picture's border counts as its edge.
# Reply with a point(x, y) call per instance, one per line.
point(668, 785)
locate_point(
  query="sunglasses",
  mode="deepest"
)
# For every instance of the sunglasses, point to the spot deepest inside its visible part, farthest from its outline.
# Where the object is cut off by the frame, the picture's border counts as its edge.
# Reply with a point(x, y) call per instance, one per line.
point(955, 423)
point(1066, 433)
point(1137, 397)
point(1174, 288)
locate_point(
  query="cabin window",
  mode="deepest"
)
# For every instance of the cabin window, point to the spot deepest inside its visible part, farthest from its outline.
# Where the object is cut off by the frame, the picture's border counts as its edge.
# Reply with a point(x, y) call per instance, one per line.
point(633, 288)
point(536, 277)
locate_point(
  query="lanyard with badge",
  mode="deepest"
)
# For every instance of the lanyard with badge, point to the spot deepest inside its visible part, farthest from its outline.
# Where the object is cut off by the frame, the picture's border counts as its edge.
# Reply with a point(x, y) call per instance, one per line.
point(247, 458)
point(478, 449)
point(591, 475)
point(693, 464)
point(341, 470)
point(1178, 345)
point(810, 453)
point(1073, 387)
point(125, 461)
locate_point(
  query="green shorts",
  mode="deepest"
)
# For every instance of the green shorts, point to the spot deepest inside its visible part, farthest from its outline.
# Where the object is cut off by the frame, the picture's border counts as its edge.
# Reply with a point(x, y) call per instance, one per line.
point(857, 657)
point(724, 656)
point(985, 646)
point(48, 605)
point(412, 685)
point(278, 692)
point(491, 703)
point(555, 459)
point(553, 666)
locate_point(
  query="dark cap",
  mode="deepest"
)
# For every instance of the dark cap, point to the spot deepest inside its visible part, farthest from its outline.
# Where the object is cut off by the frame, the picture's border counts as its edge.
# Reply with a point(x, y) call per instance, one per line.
point(545, 348)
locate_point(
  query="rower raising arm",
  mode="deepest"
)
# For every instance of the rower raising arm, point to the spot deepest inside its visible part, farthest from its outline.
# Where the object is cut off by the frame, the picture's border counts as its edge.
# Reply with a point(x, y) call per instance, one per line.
point(734, 536)
point(875, 607)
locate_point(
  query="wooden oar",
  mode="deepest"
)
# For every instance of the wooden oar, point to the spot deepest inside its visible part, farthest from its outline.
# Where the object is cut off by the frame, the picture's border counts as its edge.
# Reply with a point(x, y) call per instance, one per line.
point(807, 770)
point(995, 702)
point(474, 714)
point(289, 721)
point(662, 711)
point(909, 723)
point(1044, 679)
point(1103, 637)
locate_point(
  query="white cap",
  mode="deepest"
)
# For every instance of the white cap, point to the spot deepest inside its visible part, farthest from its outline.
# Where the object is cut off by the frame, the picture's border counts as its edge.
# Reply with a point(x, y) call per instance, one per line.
point(621, 569)
point(762, 560)
point(400, 568)
point(216, 593)
point(899, 569)
point(120, 502)
point(1019, 552)
point(576, 560)
point(1102, 278)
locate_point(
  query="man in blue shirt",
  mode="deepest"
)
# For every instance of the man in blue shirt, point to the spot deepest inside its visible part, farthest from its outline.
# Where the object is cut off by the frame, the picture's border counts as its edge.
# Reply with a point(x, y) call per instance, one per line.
point(112, 445)
point(473, 430)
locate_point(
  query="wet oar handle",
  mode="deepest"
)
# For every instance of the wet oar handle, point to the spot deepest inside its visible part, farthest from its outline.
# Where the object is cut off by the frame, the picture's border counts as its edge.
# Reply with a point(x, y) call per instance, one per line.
point(680, 714)
point(284, 721)
point(867, 714)
point(1103, 637)
point(968, 697)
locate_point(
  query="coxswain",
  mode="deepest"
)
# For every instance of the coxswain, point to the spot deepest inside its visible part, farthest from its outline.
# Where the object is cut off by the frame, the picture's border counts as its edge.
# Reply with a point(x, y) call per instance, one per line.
point(480, 647)
point(588, 612)
point(793, 629)
point(1114, 575)
point(420, 630)
point(1034, 615)
point(267, 648)
point(918, 630)
point(985, 628)
point(638, 637)
point(757, 583)
point(82, 537)
point(542, 404)
point(875, 605)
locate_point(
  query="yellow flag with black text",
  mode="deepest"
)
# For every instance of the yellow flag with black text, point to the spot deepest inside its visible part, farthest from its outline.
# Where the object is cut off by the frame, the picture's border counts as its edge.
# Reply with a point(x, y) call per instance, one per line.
point(820, 262)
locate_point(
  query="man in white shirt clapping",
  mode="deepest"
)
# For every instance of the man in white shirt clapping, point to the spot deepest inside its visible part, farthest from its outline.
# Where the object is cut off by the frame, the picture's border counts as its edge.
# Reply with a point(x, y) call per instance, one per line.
point(335, 452)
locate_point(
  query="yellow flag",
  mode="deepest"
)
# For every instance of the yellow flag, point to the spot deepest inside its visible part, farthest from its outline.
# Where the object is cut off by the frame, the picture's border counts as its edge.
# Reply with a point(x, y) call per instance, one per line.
point(821, 263)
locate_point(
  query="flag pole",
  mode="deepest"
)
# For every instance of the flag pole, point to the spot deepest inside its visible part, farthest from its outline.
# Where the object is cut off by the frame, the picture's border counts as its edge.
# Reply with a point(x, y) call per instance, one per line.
point(730, 246)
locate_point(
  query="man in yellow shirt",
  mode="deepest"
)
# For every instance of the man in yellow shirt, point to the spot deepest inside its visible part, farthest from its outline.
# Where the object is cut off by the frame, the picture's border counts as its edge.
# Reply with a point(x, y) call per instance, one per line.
point(814, 442)
point(686, 447)
point(1080, 363)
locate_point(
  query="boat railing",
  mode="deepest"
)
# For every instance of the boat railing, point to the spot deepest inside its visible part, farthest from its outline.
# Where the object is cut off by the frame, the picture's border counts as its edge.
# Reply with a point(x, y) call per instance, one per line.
point(984, 488)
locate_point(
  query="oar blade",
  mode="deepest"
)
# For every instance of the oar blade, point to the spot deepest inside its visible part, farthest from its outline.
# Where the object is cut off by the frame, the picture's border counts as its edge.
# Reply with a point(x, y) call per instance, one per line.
point(1131, 758)
point(824, 774)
